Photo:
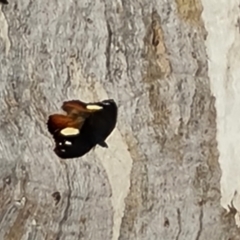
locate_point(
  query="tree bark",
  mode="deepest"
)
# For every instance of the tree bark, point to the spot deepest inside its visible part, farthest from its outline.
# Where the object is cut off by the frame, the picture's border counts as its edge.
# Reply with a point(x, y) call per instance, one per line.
point(160, 176)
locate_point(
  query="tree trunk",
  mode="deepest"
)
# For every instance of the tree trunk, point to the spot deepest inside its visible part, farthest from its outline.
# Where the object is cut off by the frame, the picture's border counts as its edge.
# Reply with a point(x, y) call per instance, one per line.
point(160, 177)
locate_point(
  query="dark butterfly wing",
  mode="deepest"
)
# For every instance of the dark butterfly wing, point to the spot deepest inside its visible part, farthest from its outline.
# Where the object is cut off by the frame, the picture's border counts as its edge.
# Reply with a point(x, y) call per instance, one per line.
point(4, 1)
point(103, 144)
point(71, 146)
point(100, 124)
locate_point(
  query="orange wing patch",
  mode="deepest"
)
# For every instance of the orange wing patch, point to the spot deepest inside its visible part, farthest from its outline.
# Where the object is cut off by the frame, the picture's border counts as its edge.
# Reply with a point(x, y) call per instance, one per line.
point(59, 121)
point(74, 106)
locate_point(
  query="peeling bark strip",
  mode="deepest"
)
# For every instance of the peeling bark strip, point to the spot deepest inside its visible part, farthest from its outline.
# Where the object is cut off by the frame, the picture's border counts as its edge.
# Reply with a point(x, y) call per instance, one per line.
point(224, 77)
point(155, 50)
point(190, 10)
point(4, 33)
point(160, 179)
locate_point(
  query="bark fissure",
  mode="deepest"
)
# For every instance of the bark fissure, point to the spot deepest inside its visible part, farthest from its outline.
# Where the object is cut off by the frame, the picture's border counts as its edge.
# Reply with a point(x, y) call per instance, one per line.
point(179, 223)
point(200, 224)
point(68, 200)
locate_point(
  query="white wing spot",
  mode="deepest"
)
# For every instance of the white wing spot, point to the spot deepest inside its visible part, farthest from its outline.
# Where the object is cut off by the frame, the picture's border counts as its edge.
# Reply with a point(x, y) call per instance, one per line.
point(94, 107)
point(69, 131)
point(68, 143)
point(106, 103)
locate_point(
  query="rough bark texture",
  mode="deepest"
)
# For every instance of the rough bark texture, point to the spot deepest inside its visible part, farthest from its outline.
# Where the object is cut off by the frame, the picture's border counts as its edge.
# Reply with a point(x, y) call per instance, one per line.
point(160, 177)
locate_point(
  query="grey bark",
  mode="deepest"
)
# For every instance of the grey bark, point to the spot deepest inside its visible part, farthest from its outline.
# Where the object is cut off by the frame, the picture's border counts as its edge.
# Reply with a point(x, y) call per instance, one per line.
point(150, 57)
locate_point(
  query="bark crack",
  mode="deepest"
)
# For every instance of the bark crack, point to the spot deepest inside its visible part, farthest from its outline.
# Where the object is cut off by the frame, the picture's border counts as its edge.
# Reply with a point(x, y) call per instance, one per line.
point(66, 210)
point(179, 223)
point(108, 46)
point(200, 224)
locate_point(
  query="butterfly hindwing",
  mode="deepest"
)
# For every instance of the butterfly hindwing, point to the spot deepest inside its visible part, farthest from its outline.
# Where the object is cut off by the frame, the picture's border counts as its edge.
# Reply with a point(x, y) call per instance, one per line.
point(71, 146)
point(101, 123)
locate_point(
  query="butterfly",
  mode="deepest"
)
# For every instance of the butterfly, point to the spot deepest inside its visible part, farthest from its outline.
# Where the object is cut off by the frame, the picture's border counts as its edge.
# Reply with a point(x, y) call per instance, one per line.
point(83, 127)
